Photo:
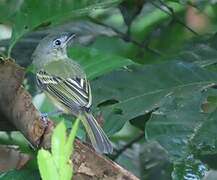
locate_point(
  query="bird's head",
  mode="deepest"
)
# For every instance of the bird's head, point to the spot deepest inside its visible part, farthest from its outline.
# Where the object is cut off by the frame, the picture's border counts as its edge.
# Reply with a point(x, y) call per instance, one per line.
point(52, 48)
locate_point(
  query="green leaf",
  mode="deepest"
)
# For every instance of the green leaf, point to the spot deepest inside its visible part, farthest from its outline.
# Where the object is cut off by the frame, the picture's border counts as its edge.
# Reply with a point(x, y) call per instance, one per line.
point(209, 103)
point(189, 169)
point(15, 138)
point(181, 126)
point(58, 144)
point(47, 165)
point(97, 63)
point(204, 139)
point(66, 172)
point(200, 51)
point(21, 174)
point(151, 18)
point(58, 164)
point(139, 90)
point(32, 14)
point(130, 9)
point(154, 162)
point(176, 121)
point(68, 146)
point(8, 9)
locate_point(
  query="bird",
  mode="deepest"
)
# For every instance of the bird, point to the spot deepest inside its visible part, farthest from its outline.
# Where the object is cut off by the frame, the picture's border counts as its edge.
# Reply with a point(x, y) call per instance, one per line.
point(64, 82)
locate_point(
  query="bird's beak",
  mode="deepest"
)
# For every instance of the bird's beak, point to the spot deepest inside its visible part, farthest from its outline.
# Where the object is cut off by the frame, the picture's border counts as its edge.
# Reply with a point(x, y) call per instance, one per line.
point(70, 38)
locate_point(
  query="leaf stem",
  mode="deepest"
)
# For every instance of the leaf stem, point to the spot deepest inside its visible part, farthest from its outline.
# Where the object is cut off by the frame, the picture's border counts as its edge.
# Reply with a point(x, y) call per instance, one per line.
point(171, 13)
point(126, 37)
point(128, 145)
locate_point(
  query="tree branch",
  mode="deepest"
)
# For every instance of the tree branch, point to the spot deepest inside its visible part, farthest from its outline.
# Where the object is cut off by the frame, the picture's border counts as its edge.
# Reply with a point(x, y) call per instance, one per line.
point(19, 112)
point(171, 13)
point(126, 37)
point(128, 145)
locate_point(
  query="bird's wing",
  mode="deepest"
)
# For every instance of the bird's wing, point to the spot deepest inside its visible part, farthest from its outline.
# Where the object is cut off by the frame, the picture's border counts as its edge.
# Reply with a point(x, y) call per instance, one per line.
point(68, 91)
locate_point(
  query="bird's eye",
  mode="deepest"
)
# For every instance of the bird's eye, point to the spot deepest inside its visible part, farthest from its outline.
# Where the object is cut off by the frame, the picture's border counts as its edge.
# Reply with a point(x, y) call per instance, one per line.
point(57, 42)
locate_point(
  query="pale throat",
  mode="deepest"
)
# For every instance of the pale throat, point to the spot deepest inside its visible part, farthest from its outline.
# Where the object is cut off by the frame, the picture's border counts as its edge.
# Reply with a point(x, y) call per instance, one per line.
point(43, 59)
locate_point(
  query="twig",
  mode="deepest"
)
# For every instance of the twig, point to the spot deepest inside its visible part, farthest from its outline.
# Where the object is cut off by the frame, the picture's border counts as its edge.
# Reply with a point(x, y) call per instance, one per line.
point(193, 5)
point(128, 145)
point(171, 13)
point(126, 38)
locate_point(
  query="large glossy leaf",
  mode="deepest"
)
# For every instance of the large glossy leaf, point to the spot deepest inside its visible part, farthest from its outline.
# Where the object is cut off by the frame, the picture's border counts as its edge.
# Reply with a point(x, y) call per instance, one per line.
point(138, 90)
point(32, 14)
point(154, 162)
point(205, 137)
point(189, 168)
point(182, 126)
point(97, 63)
point(176, 121)
point(201, 51)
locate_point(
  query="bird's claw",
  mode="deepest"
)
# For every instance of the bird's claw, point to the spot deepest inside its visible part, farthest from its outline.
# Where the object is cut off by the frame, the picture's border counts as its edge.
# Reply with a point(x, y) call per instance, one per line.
point(44, 119)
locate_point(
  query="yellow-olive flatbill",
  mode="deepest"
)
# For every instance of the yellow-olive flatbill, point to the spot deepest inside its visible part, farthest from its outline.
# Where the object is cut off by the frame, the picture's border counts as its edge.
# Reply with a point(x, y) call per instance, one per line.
point(65, 83)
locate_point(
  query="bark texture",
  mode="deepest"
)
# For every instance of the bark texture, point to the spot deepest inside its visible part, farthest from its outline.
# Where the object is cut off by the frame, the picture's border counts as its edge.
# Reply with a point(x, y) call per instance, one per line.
point(18, 112)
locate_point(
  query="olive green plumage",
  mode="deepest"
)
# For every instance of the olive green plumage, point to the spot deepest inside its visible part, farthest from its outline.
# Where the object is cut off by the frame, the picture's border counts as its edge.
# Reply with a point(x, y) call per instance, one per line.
point(64, 81)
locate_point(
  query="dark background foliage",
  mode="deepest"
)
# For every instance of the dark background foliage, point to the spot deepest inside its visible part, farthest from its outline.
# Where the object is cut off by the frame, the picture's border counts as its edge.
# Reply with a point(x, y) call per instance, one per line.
point(153, 71)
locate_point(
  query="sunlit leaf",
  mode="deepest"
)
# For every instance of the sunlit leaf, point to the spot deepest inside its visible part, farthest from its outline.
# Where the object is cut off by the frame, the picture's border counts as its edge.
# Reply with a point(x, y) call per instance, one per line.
point(47, 166)
point(58, 144)
point(69, 143)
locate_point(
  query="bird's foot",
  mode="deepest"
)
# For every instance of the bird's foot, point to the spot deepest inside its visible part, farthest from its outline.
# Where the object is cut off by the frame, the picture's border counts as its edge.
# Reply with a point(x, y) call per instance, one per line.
point(44, 119)
point(44, 116)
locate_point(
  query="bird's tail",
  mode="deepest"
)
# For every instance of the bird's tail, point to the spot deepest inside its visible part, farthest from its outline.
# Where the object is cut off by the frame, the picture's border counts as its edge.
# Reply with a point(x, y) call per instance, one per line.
point(97, 136)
